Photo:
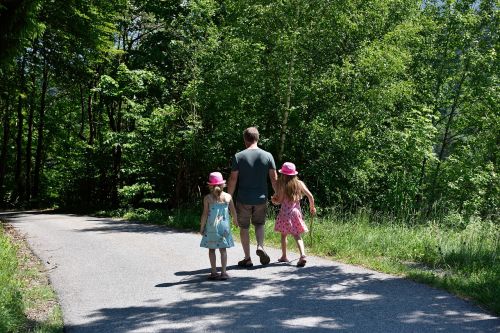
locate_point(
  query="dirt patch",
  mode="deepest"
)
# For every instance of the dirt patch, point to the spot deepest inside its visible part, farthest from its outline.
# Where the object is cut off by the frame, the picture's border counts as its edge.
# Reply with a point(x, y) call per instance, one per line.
point(439, 272)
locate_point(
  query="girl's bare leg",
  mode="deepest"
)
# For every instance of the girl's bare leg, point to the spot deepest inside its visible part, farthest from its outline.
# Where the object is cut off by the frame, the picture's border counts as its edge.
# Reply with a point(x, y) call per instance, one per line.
point(300, 244)
point(283, 246)
point(223, 260)
point(211, 255)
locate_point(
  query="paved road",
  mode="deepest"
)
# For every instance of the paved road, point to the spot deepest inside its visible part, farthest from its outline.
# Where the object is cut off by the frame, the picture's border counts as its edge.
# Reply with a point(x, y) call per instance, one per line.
point(113, 276)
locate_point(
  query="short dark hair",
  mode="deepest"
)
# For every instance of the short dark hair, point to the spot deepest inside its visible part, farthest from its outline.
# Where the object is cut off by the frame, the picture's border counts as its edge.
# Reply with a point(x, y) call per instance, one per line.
point(251, 135)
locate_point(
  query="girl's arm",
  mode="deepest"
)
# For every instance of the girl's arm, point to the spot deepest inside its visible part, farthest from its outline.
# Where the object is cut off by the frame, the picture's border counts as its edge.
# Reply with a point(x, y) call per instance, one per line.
point(310, 197)
point(204, 215)
point(277, 197)
point(232, 210)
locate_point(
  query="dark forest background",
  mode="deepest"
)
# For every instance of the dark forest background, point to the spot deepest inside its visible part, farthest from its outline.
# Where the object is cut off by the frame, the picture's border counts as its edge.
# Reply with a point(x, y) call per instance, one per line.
point(389, 105)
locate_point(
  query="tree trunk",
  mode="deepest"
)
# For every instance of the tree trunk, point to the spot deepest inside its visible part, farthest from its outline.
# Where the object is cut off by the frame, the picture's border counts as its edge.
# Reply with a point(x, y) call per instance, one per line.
point(445, 142)
point(284, 124)
point(19, 138)
point(82, 107)
point(418, 198)
point(90, 116)
point(117, 160)
point(29, 142)
point(41, 127)
point(4, 151)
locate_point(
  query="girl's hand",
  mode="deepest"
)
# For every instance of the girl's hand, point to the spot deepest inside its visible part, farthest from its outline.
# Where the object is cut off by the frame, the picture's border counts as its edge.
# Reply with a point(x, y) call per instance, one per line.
point(312, 209)
point(274, 199)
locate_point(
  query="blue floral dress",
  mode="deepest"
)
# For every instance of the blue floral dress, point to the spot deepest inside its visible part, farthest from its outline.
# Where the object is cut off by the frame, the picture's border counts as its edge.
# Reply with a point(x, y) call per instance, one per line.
point(217, 233)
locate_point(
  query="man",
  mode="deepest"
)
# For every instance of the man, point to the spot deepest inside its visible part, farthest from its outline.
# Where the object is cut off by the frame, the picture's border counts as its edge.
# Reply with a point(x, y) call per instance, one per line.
point(250, 169)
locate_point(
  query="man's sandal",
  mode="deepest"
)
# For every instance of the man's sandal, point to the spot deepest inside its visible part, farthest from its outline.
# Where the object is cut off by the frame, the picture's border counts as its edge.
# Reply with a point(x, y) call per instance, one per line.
point(264, 258)
point(245, 262)
point(302, 261)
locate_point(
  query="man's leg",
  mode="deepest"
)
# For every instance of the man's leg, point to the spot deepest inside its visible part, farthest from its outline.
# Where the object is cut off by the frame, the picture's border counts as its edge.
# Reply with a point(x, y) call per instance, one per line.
point(259, 235)
point(258, 220)
point(244, 215)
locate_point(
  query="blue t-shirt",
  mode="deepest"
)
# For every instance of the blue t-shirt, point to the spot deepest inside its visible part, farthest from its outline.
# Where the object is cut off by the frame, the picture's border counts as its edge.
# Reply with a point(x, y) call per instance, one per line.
point(253, 167)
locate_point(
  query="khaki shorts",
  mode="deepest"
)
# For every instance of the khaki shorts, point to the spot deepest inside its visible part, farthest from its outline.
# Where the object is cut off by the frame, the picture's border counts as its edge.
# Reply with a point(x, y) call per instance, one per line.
point(251, 213)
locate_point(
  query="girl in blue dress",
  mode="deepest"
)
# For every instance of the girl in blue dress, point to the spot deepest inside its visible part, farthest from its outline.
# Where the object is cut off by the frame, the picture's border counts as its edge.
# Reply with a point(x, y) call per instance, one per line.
point(215, 226)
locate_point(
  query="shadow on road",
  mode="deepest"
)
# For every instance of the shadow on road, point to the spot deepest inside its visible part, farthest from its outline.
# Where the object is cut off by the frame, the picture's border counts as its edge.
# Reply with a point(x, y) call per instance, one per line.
point(105, 225)
point(313, 299)
point(113, 226)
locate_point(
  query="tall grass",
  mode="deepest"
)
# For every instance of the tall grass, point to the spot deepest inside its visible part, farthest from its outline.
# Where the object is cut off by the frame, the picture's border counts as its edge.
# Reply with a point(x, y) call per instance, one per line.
point(11, 304)
point(25, 292)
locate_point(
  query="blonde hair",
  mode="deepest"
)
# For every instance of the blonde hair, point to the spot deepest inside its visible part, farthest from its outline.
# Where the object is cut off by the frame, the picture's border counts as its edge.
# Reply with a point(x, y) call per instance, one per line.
point(216, 190)
point(289, 187)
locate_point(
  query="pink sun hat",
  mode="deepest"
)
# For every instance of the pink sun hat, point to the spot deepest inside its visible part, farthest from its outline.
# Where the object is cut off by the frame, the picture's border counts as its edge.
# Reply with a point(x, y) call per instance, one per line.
point(288, 169)
point(215, 178)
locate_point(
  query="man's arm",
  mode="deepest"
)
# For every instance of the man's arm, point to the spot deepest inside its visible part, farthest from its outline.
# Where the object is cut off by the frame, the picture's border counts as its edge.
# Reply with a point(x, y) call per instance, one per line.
point(273, 176)
point(231, 184)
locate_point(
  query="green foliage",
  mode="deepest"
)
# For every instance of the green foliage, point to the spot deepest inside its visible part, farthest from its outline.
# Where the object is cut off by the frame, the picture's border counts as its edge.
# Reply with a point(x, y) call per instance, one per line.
point(387, 105)
point(18, 25)
point(132, 195)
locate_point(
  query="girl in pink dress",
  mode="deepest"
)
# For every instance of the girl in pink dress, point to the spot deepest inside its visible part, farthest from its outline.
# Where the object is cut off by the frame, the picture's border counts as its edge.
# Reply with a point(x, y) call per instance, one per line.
point(289, 220)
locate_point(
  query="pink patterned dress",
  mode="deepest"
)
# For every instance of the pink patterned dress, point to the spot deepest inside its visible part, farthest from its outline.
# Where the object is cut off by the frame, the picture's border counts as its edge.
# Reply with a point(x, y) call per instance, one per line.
point(289, 219)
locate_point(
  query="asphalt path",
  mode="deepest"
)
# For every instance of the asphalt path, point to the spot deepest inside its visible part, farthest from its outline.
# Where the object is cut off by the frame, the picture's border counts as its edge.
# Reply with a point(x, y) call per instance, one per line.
point(116, 276)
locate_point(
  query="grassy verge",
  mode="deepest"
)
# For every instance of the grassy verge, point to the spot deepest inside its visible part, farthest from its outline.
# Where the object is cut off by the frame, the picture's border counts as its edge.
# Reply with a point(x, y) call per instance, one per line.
point(27, 301)
point(464, 260)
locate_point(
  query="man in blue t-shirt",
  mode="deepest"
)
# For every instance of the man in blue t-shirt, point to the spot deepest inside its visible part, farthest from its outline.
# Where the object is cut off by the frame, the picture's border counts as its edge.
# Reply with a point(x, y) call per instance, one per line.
point(250, 169)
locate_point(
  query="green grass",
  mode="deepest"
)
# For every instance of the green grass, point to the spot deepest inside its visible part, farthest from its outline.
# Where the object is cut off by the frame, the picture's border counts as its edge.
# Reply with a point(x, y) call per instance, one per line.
point(11, 306)
point(24, 293)
point(463, 259)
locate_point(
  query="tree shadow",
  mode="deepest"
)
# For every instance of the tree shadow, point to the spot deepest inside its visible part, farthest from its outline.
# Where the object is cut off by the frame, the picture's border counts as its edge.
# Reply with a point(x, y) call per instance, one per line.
point(312, 299)
point(12, 213)
point(113, 226)
point(104, 225)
